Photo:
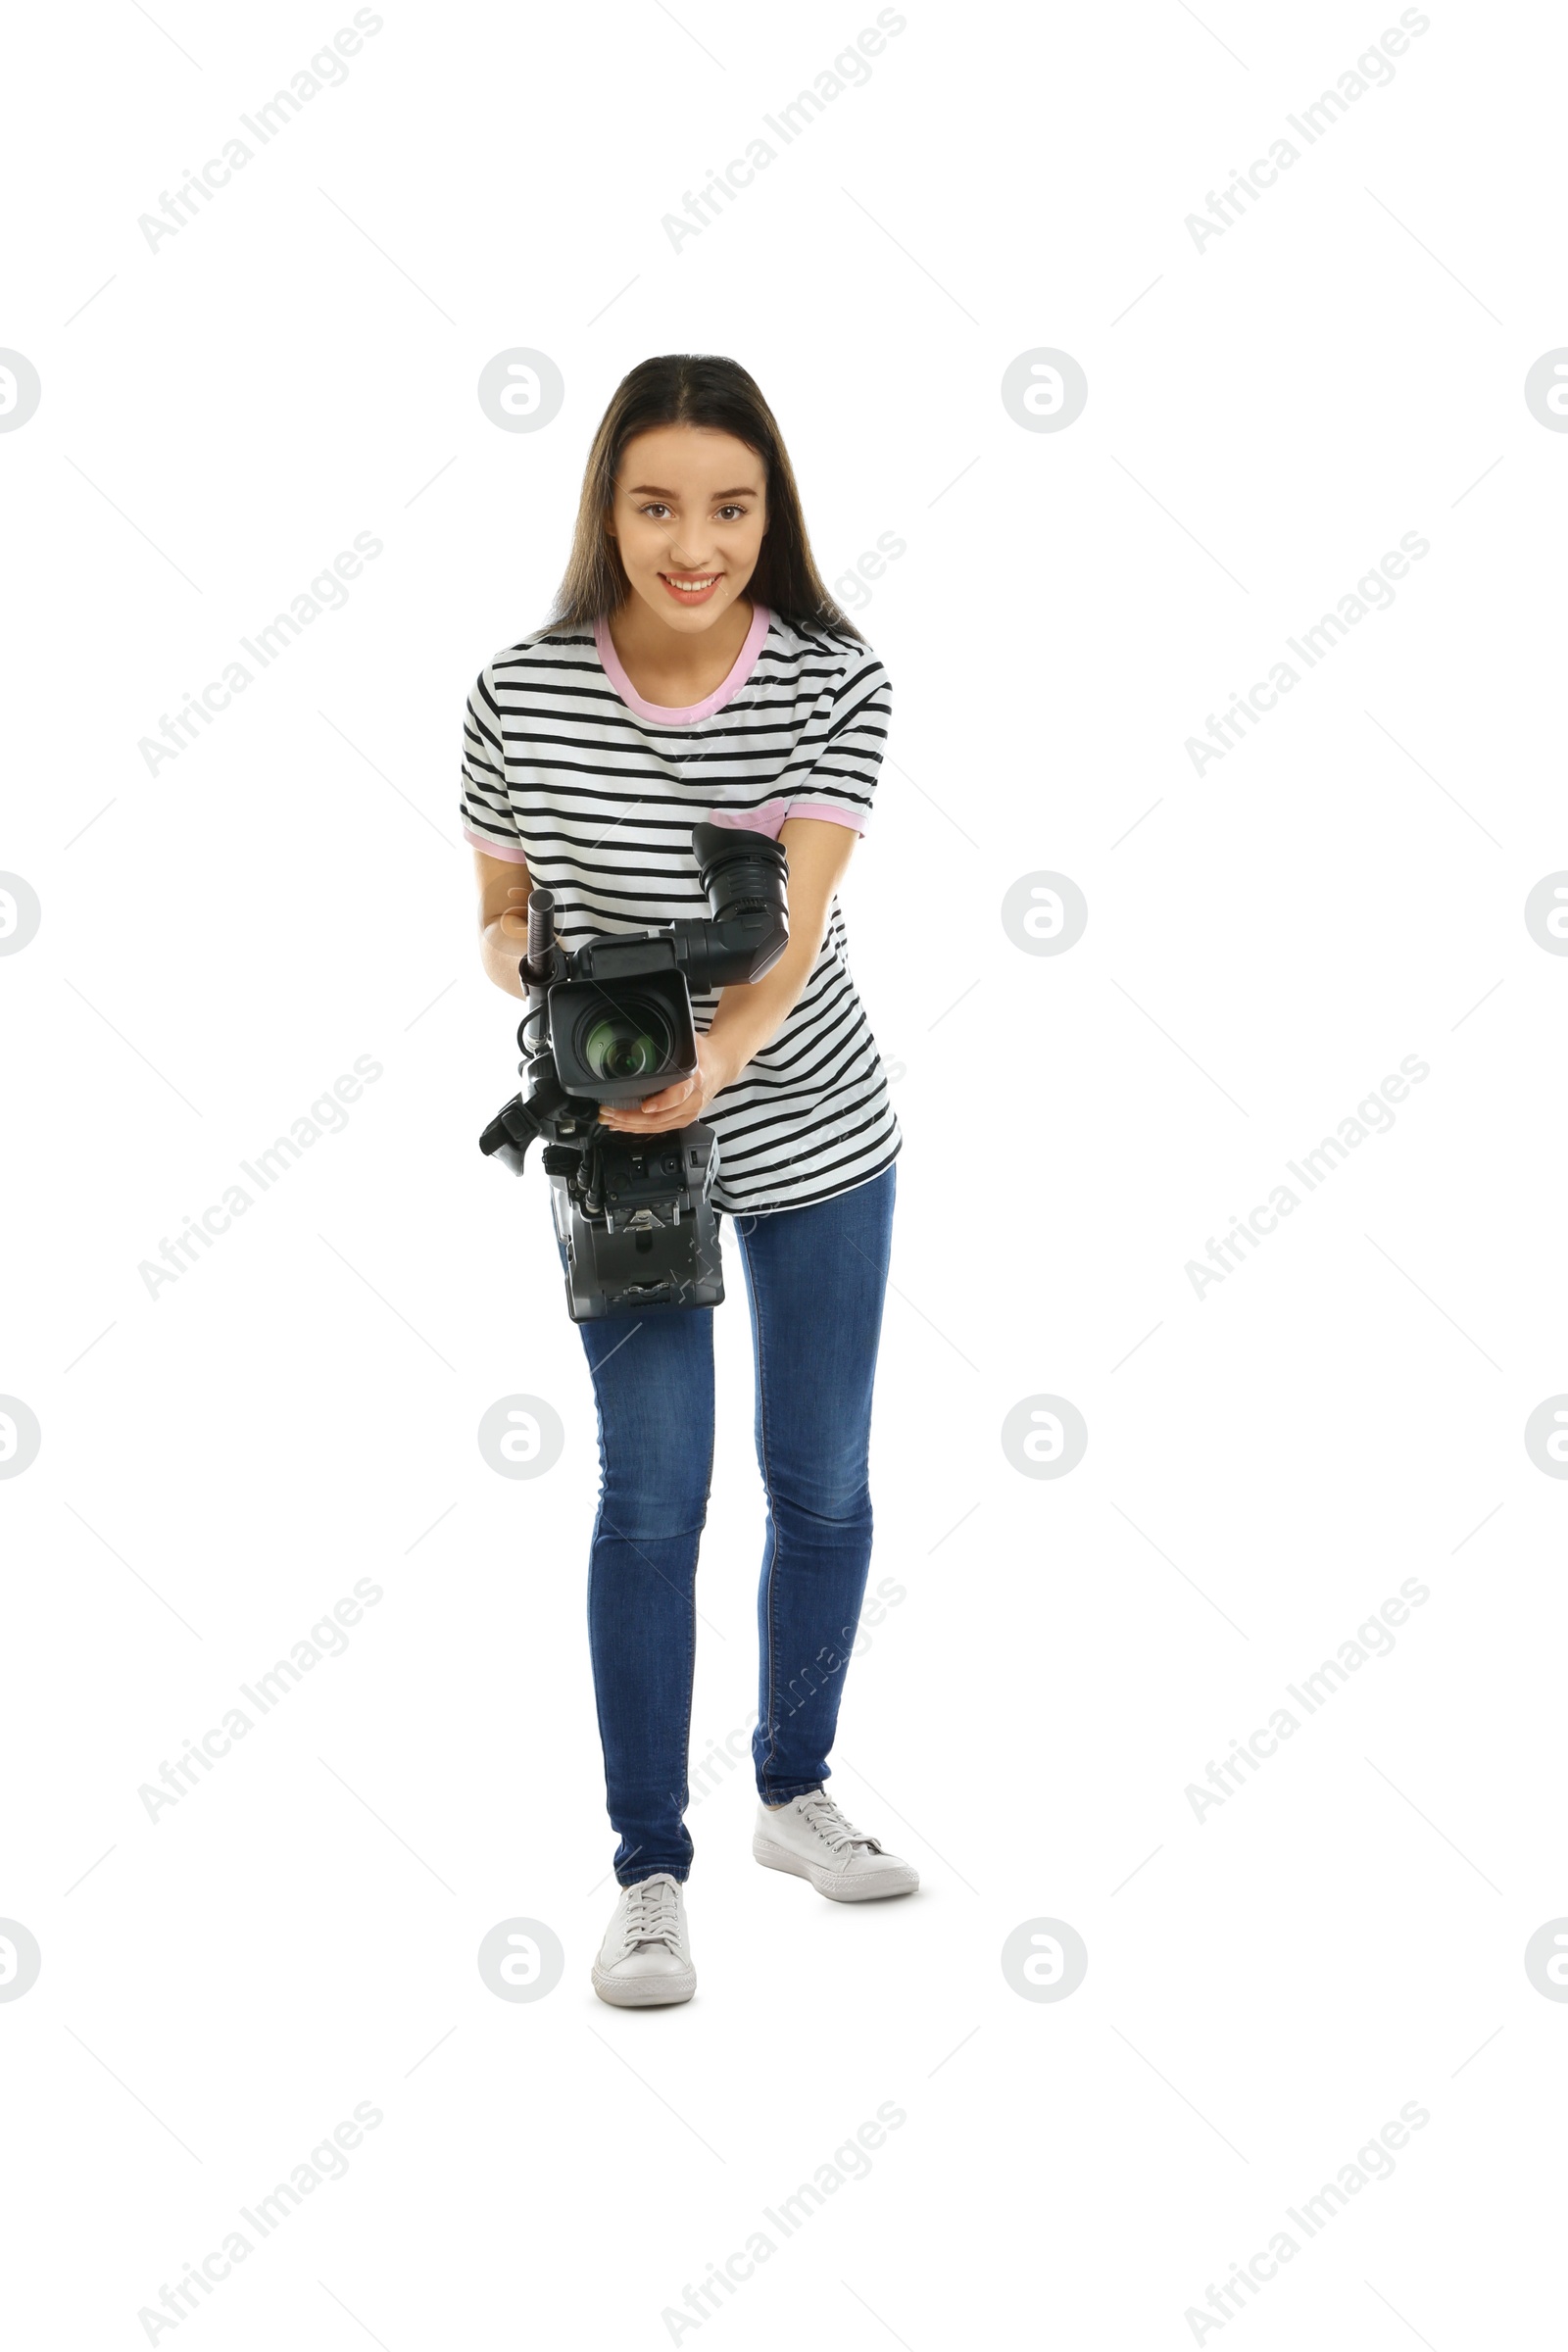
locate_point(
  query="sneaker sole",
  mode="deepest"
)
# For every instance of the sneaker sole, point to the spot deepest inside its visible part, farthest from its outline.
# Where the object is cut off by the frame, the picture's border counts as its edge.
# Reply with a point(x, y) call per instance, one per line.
point(833, 1883)
point(644, 1992)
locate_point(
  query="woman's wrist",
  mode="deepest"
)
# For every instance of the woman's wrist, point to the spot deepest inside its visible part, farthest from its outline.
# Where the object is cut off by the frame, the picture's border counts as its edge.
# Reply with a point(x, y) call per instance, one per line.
point(726, 1062)
point(751, 1013)
point(501, 956)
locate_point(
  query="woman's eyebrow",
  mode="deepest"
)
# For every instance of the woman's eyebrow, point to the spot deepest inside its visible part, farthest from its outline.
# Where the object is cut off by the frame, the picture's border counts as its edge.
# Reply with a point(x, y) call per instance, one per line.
point(653, 490)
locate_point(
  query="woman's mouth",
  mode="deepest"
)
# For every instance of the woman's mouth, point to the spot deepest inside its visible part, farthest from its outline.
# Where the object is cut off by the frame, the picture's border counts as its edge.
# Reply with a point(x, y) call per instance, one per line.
point(691, 587)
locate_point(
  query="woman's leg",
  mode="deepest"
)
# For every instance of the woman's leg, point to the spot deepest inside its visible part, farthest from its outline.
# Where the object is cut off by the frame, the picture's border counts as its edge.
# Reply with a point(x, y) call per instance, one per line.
point(653, 1375)
point(816, 1279)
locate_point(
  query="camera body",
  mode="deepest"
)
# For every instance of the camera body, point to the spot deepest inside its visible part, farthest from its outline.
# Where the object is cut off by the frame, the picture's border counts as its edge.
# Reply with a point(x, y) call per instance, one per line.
point(613, 1023)
point(651, 1237)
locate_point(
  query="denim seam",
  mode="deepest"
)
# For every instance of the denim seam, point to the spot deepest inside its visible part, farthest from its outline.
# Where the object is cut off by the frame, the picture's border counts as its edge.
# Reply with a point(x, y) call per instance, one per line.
point(772, 1526)
point(691, 1653)
point(593, 1551)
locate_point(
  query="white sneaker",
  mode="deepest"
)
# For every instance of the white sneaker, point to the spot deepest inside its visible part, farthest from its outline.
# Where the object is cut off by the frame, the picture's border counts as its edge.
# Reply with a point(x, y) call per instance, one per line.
point(810, 1838)
point(646, 1959)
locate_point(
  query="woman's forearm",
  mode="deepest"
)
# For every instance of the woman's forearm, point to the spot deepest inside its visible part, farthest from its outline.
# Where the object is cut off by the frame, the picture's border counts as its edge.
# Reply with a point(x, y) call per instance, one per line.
point(752, 1013)
point(749, 1014)
point(499, 956)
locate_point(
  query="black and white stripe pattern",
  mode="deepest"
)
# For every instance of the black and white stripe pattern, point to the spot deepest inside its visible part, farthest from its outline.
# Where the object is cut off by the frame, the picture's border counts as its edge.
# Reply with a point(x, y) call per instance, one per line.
point(559, 770)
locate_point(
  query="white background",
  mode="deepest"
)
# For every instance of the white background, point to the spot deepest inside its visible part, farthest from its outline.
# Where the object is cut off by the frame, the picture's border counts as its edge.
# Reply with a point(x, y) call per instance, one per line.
point(1265, 1465)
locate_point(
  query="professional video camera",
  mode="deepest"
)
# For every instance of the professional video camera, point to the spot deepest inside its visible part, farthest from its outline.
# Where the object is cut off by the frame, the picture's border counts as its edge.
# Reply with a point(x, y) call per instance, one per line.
point(613, 1023)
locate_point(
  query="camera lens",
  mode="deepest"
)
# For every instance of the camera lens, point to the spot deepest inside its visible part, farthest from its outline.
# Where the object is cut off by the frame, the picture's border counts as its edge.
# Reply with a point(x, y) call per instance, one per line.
point(628, 1040)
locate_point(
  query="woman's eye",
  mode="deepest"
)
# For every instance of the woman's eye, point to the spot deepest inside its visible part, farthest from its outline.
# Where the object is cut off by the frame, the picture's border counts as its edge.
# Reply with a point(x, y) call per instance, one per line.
point(657, 506)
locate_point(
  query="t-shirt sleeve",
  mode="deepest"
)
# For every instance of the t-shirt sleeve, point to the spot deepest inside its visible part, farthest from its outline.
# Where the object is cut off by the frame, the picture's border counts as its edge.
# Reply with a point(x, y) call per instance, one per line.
point(840, 783)
point(487, 818)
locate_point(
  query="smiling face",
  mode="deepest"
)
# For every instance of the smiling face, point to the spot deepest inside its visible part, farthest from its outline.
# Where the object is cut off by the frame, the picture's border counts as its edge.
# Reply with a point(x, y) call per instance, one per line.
point(689, 515)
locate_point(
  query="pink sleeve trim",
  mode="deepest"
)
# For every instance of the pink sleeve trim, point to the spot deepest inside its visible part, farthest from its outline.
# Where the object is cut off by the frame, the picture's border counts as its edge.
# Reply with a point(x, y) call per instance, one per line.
point(766, 819)
point(770, 817)
point(495, 849)
point(835, 812)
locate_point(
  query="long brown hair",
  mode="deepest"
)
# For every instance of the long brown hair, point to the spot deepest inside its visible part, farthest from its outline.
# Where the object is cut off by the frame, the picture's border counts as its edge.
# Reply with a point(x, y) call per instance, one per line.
point(700, 389)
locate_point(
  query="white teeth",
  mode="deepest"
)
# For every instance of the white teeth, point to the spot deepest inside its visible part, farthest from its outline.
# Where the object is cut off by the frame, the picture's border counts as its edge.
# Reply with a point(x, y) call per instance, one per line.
point(692, 587)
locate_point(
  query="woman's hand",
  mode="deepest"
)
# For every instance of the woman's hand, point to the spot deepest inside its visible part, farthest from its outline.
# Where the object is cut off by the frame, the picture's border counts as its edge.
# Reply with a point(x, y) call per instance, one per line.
point(504, 887)
point(676, 1105)
point(513, 921)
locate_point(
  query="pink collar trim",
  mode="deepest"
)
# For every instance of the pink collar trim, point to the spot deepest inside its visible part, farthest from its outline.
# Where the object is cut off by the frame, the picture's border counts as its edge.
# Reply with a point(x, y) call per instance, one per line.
point(668, 713)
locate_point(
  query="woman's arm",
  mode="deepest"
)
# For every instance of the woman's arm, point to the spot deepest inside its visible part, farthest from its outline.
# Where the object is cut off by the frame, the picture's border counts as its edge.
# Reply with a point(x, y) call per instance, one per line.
point(752, 1012)
point(504, 887)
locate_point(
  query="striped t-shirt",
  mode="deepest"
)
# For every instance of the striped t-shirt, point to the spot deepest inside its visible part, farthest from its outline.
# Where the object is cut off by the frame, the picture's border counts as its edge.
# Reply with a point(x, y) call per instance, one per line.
point(568, 768)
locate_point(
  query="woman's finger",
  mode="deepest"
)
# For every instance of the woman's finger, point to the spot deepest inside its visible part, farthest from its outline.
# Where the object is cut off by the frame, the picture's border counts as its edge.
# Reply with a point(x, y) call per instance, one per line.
point(633, 1116)
point(636, 1122)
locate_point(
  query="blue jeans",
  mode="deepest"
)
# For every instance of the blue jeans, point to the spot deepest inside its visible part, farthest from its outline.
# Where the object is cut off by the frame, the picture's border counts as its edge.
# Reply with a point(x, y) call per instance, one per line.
point(815, 1281)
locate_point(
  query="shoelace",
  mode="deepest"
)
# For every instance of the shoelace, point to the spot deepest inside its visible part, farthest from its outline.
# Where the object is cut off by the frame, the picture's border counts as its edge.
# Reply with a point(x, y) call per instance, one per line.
point(651, 1916)
point(822, 1815)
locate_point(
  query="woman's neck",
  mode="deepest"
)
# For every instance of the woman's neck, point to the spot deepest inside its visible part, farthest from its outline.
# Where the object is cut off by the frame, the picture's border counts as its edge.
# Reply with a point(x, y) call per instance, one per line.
point(668, 666)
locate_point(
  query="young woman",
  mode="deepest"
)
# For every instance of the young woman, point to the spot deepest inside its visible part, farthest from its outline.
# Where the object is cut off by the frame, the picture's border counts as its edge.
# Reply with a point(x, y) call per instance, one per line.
point(696, 669)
